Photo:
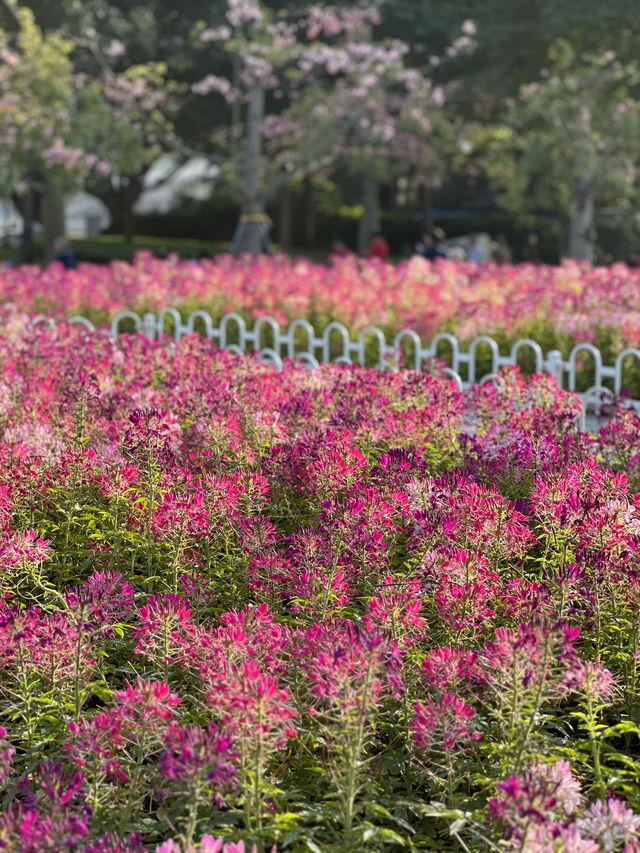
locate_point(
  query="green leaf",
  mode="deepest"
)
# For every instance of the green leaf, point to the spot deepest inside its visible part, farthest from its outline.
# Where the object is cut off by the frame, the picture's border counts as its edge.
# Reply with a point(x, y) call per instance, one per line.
point(390, 835)
point(622, 728)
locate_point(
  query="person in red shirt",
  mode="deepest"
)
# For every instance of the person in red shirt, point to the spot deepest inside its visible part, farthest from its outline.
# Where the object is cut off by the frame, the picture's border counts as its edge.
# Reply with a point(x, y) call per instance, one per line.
point(378, 248)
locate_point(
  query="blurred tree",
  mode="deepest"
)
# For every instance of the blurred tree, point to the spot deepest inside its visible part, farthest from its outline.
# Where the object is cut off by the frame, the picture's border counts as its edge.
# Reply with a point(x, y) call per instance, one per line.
point(36, 92)
point(570, 142)
point(514, 36)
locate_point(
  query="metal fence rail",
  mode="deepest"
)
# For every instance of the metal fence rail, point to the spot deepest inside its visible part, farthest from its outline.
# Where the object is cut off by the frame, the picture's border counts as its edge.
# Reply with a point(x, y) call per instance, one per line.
point(299, 342)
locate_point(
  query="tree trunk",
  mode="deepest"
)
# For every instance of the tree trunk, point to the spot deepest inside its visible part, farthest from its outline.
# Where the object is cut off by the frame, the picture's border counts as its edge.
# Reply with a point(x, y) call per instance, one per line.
point(26, 206)
point(131, 194)
point(253, 228)
point(310, 222)
point(581, 227)
point(285, 224)
point(427, 202)
point(53, 218)
point(129, 221)
point(120, 201)
point(370, 220)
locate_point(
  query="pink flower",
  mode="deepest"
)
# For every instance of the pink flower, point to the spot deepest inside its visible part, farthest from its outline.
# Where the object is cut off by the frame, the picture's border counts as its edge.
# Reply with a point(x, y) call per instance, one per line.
point(102, 599)
point(6, 754)
point(209, 844)
point(449, 668)
point(588, 678)
point(251, 706)
point(610, 822)
point(116, 48)
point(20, 549)
point(540, 794)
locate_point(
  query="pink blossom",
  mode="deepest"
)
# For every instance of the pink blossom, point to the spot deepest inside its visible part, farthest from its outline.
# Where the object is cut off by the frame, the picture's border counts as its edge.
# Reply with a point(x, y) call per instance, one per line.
point(116, 48)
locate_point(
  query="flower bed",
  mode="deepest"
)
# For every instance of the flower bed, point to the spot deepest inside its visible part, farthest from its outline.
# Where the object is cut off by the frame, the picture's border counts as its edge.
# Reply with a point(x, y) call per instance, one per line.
point(557, 306)
point(305, 609)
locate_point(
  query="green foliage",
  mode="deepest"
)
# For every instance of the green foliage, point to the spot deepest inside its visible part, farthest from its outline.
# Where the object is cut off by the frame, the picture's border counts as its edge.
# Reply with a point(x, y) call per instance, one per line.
point(37, 95)
point(570, 136)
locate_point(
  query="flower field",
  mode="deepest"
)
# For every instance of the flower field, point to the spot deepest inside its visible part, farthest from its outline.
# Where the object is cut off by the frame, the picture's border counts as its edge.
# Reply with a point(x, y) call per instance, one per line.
point(317, 610)
point(557, 306)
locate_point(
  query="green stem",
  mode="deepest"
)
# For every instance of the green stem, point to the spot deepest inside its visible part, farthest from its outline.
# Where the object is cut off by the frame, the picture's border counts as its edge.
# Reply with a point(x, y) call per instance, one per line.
point(243, 777)
point(595, 744)
point(257, 772)
point(353, 759)
point(76, 673)
point(534, 710)
point(194, 801)
point(26, 697)
point(132, 799)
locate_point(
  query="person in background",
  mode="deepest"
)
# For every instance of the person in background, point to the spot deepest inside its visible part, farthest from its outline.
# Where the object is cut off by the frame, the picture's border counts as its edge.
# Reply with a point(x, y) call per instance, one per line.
point(63, 253)
point(531, 250)
point(500, 251)
point(427, 247)
point(378, 248)
point(339, 249)
point(475, 251)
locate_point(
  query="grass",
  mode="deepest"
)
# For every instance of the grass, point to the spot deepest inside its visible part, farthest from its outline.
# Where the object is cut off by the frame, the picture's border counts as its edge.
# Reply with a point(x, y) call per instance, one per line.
point(112, 247)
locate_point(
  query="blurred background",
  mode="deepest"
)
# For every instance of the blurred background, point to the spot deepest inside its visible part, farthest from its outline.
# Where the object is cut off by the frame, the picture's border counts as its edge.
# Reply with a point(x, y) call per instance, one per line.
point(311, 127)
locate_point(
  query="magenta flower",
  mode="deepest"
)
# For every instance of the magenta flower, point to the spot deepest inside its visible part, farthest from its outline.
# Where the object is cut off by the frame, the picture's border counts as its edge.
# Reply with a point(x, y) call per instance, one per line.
point(111, 843)
point(447, 668)
point(163, 623)
point(443, 725)
point(20, 549)
point(209, 844)
point(147, 700)
point(50, 814)
point(252, 706)
point(102, 599)
point(6, 754)
point(540, 793)
point(196, 752)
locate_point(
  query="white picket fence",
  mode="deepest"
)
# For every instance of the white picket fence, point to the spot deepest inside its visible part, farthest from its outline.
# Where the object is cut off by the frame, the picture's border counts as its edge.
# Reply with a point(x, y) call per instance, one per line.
point(299, 342)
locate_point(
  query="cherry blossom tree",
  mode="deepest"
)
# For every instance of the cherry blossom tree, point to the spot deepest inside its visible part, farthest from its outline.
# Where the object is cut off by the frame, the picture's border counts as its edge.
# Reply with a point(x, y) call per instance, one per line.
point(388, 116)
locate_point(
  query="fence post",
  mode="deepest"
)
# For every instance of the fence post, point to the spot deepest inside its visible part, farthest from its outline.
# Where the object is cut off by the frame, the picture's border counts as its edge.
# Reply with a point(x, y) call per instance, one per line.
point(149, 325)
point(553, 364)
